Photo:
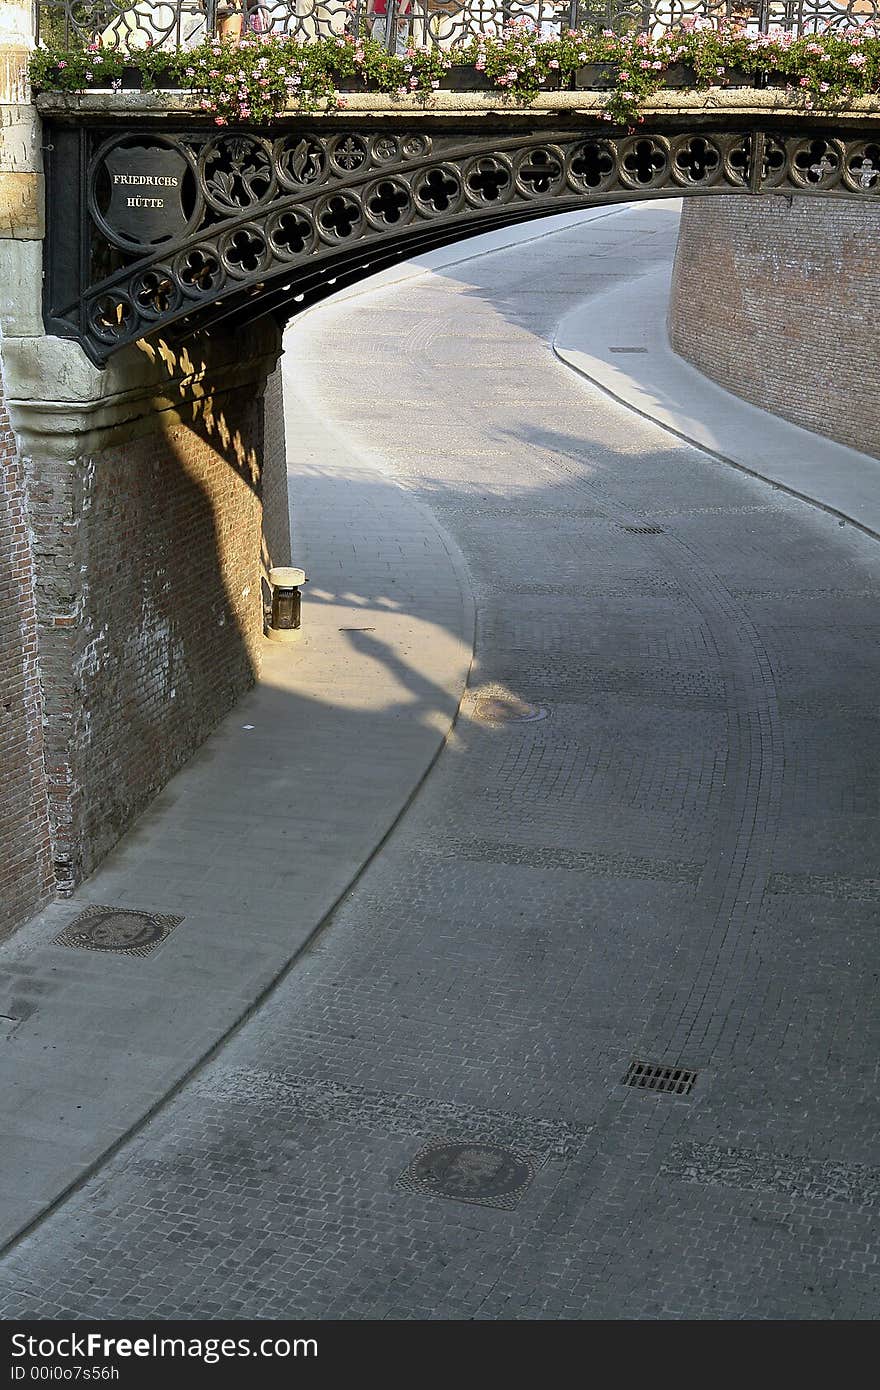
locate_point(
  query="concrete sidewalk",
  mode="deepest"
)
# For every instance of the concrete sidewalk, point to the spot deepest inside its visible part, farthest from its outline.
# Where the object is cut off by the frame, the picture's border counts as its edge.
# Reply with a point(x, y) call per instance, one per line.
point(619, 342)
point(253, 842)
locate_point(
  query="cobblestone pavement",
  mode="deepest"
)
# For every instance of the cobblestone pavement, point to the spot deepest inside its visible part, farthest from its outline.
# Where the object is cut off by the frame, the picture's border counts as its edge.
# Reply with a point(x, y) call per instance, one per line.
point(676, 862)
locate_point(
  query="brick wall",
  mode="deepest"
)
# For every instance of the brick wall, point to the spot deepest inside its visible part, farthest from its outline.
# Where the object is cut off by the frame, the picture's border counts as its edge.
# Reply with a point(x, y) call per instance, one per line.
point(778, 301)
point(148, 602)
point(26, 878)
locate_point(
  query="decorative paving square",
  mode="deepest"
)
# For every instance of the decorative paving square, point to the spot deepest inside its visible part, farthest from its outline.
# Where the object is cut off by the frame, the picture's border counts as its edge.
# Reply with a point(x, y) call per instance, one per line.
point(122, 930)
point(483, 1174)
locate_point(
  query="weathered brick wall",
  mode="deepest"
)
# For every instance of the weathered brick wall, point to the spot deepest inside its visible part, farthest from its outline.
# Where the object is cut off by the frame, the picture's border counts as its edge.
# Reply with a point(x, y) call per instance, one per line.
point(148, 601)
point(26, 878)
point(778, 301)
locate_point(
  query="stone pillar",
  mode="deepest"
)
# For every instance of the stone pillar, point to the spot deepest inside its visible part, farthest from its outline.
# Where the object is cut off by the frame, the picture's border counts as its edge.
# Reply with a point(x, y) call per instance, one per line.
point(145, 493)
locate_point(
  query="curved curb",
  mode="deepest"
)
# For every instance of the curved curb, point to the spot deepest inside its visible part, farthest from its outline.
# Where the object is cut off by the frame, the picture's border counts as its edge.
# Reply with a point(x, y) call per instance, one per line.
point(591, 364)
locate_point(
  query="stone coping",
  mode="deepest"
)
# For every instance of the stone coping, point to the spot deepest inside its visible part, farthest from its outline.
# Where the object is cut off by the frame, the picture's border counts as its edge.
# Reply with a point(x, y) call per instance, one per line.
point(731, 101)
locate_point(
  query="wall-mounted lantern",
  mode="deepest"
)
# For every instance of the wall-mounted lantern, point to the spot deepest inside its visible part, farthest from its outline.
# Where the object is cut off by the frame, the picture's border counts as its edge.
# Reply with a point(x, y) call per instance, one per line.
point(286, 603)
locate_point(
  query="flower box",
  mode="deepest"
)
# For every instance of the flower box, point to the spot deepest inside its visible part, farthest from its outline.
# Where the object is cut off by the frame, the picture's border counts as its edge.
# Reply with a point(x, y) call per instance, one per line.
point(165, 80)
point(464, 77)
point(775, 78)
point(353, 82)
point(680, 75)
point(738, 77)
point(594, 77)
point(134, 79)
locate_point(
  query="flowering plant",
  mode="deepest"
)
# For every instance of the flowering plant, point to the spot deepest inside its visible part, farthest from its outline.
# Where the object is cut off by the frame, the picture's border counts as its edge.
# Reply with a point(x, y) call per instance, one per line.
point(261, 75)
point(517, 60)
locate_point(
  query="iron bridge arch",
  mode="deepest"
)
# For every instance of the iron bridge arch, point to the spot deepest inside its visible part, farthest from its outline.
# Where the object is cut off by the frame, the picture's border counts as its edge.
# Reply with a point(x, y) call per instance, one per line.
point(245, 223)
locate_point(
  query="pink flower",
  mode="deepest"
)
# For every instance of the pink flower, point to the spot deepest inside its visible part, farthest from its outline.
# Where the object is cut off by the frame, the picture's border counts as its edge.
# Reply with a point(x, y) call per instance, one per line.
point(623, 76)
point(554, 63)
point(220, 120)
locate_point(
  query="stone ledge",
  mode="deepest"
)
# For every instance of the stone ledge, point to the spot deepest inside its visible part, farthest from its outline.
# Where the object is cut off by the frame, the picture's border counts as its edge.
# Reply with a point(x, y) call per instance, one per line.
point(731, 101)
point(60, 404)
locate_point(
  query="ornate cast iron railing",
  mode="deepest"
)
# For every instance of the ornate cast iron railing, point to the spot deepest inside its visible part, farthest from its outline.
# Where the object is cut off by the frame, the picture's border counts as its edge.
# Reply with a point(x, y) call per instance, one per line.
point(172, 24)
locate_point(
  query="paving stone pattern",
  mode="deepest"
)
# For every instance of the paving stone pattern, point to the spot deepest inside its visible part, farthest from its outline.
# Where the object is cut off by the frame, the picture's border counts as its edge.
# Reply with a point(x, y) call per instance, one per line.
point(677, 865)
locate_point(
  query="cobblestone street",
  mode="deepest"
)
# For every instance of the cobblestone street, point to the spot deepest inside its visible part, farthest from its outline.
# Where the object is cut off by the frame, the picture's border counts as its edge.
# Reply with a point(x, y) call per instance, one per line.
point(652, 835)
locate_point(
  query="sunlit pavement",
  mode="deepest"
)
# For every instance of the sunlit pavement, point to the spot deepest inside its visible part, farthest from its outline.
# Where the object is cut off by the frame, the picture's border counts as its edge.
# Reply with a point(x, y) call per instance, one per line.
point(652, 837)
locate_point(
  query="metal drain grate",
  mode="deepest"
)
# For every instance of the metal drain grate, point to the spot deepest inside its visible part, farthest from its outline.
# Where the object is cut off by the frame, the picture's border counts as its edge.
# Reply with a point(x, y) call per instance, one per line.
point(628, 349)
point(644, 530)
point(124, 930)
point(649, 1076)
point(483, 1174)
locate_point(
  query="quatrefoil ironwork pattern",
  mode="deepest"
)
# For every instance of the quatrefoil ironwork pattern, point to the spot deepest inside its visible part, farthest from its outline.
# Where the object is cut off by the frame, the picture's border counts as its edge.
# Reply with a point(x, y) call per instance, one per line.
point(539, 171)
point(592, 165)
point(861, 167)
point(645, 162)
point(291, 233)
point(488, 179)
point(388, 202)
point(697, 161)
point(271, 218)
point(816, 163)
point(198, 271)
point(155, 292)
point(244, 251)
point(438, 190)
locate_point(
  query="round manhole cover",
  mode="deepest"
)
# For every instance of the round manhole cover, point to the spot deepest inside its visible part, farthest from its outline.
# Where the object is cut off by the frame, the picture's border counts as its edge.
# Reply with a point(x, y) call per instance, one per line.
point(471, 1172)
point(118, 929)
point(507, 709)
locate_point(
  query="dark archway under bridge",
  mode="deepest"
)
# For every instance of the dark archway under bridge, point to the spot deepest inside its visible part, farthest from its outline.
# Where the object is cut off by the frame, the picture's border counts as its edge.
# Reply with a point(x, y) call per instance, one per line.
point(166, 226)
